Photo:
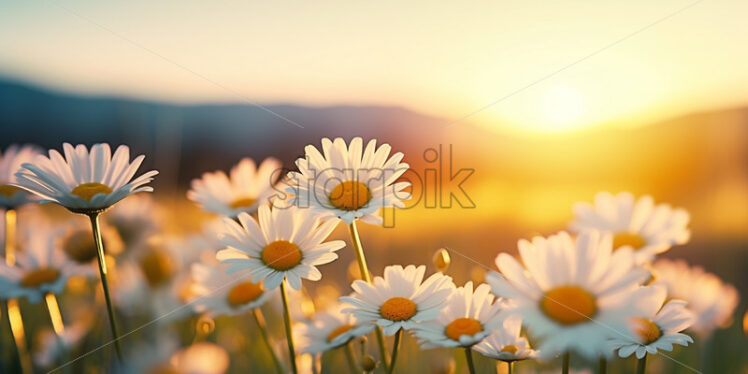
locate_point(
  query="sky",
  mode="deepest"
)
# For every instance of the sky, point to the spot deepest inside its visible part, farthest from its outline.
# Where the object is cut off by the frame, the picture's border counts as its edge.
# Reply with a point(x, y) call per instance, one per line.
point(526, 66)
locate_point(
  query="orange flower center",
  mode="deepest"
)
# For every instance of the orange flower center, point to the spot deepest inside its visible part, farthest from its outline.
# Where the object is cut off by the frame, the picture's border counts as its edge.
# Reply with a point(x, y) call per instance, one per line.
point(648, 332)
point(569, 305)
point(80, 247)
point(157, 267)
point(463, 326)
point(350, 195)
point(8, 190)
point(89, 190)
point(335, 333)
point(38, 277)
point(244, 293)
point(510, 348)
point(281, 255)
point(622, 239)
point(398, 309)
point(243, 202)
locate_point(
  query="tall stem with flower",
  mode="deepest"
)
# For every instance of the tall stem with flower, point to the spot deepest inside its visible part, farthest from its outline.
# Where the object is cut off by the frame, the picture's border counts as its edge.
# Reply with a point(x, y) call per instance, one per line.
point(364, 269)
point(14, 312)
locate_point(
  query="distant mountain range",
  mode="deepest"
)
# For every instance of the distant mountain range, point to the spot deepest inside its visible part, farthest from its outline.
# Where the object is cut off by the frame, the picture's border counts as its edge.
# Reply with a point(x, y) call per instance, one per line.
point(185, 140)
point(205, 137)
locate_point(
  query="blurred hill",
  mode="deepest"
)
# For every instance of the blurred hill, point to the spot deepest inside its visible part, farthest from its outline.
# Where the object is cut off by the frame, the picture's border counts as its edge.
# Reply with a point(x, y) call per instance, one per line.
point(522, 183)
point(200, 137)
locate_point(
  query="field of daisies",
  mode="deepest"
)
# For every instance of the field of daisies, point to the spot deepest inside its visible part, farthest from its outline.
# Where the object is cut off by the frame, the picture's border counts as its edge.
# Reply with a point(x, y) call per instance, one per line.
point(93, 280)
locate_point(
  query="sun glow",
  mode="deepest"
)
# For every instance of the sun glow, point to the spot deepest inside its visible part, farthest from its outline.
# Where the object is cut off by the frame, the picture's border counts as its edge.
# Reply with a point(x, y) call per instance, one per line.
point(562, 108)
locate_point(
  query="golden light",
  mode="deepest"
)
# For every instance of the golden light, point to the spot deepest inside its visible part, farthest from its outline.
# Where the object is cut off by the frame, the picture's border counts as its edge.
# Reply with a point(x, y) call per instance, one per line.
point(562, 107)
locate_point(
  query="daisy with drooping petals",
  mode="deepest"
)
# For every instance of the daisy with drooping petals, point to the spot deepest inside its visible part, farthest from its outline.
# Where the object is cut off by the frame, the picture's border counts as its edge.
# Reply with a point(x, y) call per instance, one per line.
point(638, 224)
point(331, 329)
point(712, 301)
point(11, 160)
point(286, 243)
point(655, 326)
point(84, 182)
point(247, 188)
point(219, 294)
point(349, 181)
point(399, 300)
point(41, 267)
point(570, 293)
point(467, 318)
point(87, 183)
point(505, 343)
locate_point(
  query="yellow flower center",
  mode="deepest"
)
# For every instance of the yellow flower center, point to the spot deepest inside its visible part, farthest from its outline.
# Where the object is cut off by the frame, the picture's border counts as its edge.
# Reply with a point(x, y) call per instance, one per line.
point(622, 239)
point(340, 330)
point(569, 305)
point(8, 190)
point(80, 247)
point(157, 267)
point(40, 276)
point(244, 293)
point(648, 332)
point(398, 309)
point(89, 190)
point(350, 195)
point(510, 348)
point(463, 326)
point(244, 202)
point(281, 255)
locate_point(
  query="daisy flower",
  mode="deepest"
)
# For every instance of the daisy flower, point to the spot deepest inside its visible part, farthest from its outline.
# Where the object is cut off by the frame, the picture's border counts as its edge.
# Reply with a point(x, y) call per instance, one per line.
point(219, 294)
point(135, 219)
point(41, 267)
point(348, 181)
point(10, 162)
point(399, 300)
point(467, 318)
point(286, 243)
point(247, 188)
point(570, 293)
point(638, 224)
point(711, 300)
point(654, 327)
point(84, 182)
point(331, 329)
point(52, 349)
point(79, 246)
point(130, 289)
point(505, 343)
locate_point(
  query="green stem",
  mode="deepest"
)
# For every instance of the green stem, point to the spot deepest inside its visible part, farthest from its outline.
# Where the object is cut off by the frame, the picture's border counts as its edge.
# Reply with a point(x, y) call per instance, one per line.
point(351, 358)
point(395, 349)
point(287, 322)
point(641, 364)
point(603, 366)
point(565, 364)
point(14, 311)
point(510, 367)
point(364, 269)
point(55, 316)
point(469, 358)
point(96, 228)
point(262, 326)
